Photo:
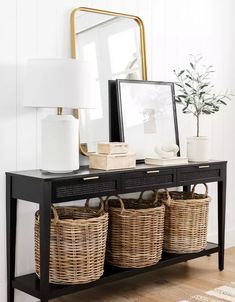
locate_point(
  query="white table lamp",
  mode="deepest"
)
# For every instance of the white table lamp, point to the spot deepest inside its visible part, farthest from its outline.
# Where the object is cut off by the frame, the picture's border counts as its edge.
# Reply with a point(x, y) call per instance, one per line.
point(59, 83)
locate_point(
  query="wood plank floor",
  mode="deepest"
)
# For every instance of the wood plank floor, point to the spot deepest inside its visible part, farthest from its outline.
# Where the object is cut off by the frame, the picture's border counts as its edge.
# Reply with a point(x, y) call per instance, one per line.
point(166, 285)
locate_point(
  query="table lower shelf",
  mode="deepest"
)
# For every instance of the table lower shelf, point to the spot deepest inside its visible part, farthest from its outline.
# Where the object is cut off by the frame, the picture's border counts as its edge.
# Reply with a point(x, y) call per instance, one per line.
point(30, 283)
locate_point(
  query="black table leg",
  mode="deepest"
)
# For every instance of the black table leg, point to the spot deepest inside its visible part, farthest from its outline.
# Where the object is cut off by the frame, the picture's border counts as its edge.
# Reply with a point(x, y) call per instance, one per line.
point(45, 219)
point(187, 188)
point(11, 212)
point(221, 220)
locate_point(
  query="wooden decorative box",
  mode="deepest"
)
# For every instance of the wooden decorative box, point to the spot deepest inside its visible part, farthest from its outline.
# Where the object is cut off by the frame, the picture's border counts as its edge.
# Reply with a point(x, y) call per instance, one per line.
point(112, 148)
point(112, 161)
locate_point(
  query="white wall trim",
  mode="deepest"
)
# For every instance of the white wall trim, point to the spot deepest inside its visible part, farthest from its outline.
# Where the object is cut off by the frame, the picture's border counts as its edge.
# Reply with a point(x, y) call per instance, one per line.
point(229, 237)
point(3, 291)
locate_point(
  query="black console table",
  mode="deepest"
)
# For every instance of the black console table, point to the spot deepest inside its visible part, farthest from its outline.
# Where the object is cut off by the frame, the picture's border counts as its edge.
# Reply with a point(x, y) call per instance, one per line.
point(44, 189)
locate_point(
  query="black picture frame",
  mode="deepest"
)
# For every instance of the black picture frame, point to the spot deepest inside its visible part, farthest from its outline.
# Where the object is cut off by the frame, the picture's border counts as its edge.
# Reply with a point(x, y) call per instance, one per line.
point(114, 118)
point(117, 131)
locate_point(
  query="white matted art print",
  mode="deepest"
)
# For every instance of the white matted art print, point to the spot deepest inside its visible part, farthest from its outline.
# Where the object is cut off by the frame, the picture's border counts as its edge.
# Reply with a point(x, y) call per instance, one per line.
point(147, 115)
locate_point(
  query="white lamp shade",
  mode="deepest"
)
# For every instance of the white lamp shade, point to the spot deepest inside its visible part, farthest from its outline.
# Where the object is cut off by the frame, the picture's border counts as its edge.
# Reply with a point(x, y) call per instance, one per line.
point(55, 83)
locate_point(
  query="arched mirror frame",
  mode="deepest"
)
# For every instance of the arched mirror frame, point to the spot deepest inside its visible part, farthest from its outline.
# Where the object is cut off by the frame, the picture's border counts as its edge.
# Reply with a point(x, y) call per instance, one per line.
point(139, 22)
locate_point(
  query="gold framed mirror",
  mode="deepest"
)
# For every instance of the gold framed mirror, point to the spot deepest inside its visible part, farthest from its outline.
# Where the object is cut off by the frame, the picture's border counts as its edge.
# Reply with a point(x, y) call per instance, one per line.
point(115, 43)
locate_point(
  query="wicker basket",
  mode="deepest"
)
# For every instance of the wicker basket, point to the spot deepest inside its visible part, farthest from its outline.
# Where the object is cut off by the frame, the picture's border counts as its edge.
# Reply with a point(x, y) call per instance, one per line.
point(135, 236)
point(186, 221)
point(77, 244)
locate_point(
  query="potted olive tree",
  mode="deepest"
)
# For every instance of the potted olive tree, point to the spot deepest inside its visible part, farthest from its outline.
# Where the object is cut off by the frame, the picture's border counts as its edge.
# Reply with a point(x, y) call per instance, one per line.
point(195, 93)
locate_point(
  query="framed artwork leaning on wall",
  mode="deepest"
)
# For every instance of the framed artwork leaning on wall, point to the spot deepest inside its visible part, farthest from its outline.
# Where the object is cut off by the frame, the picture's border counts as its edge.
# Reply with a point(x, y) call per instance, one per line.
point(146, 115)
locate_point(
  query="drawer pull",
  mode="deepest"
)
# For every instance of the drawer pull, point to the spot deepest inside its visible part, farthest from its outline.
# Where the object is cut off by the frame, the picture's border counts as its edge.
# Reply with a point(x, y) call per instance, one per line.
point(153, 171)
point(91, 178)
point(203, 167)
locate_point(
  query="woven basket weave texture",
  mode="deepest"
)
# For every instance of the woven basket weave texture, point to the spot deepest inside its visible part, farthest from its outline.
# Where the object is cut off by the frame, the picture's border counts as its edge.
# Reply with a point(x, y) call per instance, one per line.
point(135, 235)
point(77, 244)
point(186, 221)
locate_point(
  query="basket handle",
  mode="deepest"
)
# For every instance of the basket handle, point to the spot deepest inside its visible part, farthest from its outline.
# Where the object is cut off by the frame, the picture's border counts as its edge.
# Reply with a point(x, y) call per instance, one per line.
point(118, 198)
point(166, 202)
point(56, 216)
point(206, 189)
point(142, 193)
point(101, 206)
point(155, 201)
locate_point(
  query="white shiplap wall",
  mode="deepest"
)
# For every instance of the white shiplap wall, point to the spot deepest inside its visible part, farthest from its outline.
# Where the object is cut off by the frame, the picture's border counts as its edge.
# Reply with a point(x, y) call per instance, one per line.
point(40, 28)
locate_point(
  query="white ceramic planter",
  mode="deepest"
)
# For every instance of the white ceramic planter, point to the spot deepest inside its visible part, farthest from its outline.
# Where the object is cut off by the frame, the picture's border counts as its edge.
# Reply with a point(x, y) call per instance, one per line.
point(198, 148)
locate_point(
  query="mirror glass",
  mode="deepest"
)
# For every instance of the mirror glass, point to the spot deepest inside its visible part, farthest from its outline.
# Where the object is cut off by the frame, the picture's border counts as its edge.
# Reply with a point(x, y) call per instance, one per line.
point(112, 44)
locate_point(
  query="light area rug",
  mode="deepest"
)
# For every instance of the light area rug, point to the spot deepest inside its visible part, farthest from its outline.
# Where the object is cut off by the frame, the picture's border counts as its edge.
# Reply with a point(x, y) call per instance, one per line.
point(224, 293)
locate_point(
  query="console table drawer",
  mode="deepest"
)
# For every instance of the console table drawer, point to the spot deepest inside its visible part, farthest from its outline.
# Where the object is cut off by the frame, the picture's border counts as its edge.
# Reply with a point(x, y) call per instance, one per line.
point(199, 174)
point(146, 180)
point(89, 186)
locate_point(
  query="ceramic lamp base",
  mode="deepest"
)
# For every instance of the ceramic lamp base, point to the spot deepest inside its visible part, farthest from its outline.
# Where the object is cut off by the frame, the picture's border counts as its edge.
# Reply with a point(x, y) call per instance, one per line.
point(60, 144)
